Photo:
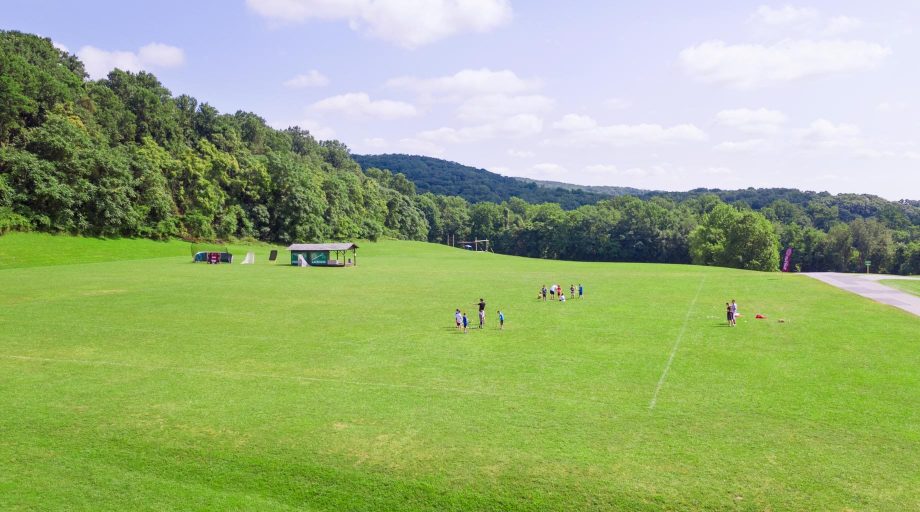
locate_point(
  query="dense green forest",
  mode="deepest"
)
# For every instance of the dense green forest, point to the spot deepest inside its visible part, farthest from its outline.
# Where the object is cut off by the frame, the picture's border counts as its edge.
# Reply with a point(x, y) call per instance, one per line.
point(122, 156)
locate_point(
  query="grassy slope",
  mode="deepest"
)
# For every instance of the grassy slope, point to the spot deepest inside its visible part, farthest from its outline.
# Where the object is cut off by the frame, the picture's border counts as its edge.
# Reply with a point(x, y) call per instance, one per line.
point(163, 384)
point(21, 250)
point(905, 285)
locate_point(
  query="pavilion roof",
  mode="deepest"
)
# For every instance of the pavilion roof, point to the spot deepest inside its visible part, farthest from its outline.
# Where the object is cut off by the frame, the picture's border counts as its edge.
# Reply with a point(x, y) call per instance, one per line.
point(341, 246)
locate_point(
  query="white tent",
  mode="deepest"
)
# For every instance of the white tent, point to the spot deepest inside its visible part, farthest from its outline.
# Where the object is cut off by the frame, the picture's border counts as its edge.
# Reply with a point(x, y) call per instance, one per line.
point(250, 258)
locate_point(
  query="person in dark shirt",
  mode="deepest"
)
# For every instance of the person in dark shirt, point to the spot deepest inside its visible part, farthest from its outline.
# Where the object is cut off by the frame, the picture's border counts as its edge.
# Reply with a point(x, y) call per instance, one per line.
point(482, 312)
point(544, 293)
point(729, 315)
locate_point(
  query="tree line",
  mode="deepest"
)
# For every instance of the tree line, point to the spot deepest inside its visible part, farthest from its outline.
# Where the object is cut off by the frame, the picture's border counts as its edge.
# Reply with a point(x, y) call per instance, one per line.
point(122, 156)
point(702, 230)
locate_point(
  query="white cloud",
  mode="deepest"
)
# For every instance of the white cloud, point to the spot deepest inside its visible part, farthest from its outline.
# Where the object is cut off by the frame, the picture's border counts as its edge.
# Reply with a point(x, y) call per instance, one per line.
point(407, 23)
point(638, 176)
point(874, 153)
point(417, 146)
point(598, 174)
point(804, 20)
point(60, 46)
point(747, 66)
point(785, 15)
point(575, 122)
point(496, 106)
point(408, 145)
point(759, 120)
point(359, 104)
point(718, 171)
point(742, 146)
point(617, 103)
point(892, 106)
point(839, 25)
point(514, 127)
point(520, 153)
point(99, 62)
point(824, 134)
point(466, 83)
point(601, 168)
point(312, 78)
point(584, 131)
point(880, 154)
point(161, 55)
point(549, 171)
point(375, 143)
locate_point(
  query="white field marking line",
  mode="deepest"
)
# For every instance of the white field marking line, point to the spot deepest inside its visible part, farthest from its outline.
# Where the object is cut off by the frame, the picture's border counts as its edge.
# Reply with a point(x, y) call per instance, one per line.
point(680, 336)
point(296, 378)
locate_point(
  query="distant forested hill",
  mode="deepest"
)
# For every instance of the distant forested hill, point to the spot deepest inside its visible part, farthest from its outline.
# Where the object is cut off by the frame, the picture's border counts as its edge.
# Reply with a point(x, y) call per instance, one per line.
point(594, 189)
point(443, 177)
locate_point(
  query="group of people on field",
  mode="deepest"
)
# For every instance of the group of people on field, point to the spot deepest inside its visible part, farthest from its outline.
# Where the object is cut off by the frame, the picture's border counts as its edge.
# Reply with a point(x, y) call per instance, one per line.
point(463, 323)
point(556, 293)
point(731, 312)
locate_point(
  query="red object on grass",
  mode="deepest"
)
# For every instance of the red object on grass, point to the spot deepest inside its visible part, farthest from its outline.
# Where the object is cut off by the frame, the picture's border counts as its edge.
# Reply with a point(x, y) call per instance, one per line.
point(760, 316)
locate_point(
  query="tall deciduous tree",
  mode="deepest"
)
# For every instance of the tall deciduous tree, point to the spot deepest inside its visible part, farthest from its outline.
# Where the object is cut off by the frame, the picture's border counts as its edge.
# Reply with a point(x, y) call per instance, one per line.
point(730, 238)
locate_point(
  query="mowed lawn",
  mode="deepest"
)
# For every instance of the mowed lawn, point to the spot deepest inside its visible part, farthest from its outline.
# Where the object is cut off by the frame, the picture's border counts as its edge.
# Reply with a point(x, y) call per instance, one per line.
point(159, 384)
point(905, 285)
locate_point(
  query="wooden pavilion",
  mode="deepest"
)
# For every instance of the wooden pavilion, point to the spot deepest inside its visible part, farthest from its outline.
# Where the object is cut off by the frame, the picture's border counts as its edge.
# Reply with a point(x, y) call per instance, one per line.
point(325, 255)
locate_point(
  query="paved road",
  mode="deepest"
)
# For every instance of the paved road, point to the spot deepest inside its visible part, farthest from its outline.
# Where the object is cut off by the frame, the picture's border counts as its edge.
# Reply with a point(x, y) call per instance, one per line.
point(867, 286)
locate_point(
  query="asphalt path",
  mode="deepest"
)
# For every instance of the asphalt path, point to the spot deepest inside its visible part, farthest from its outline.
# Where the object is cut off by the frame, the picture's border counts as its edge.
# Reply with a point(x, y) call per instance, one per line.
point(868, 286)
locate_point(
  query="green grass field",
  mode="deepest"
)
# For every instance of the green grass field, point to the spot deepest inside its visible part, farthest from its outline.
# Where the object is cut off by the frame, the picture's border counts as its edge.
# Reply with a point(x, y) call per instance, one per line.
point(158, 384)
point(909, 286)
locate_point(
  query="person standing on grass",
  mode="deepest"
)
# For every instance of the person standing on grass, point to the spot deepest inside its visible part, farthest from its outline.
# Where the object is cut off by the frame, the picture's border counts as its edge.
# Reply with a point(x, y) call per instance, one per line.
point(544, 293)
point(465, 323)
point(501, 320)
point(482, 312)
point(581, 291)
point(572, 291)
point(729, 315)
point(459, 318)
point(734, 310)
point(552, 292)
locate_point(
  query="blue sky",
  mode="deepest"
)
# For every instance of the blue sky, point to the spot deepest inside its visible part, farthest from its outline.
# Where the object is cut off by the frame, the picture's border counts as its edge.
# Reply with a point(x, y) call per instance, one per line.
point(662, 94)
